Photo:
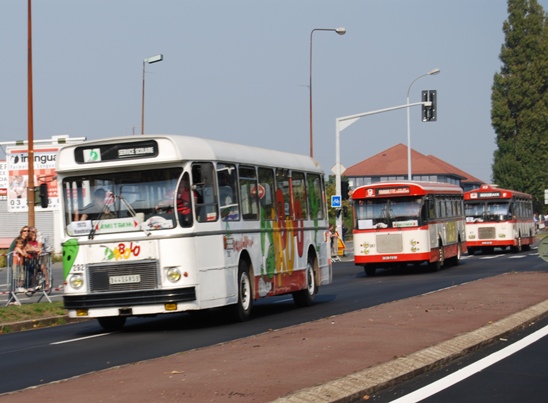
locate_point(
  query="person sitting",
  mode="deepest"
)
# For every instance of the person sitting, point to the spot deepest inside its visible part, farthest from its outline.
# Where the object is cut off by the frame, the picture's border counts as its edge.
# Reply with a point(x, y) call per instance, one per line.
point(98, 209)
point(184, 203)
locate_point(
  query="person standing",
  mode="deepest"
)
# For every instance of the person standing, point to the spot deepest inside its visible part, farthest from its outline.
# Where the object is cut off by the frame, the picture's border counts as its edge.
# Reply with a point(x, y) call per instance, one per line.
point(18, 263)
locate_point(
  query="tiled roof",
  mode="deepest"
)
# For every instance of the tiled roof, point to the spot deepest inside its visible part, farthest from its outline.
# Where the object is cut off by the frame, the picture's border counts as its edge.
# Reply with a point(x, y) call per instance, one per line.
point(393, 162)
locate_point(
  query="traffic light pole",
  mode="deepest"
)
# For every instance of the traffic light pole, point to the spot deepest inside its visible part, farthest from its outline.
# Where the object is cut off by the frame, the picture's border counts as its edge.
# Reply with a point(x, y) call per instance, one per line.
point(341, 124)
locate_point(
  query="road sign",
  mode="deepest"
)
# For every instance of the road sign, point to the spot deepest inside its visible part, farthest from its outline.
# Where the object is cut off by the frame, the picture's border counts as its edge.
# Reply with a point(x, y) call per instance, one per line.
point(543, 249)
point(336, 201)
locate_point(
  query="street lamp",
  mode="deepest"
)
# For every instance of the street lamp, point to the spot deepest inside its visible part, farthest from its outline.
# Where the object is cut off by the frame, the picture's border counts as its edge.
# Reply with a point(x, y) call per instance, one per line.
point(430, 73)
point(149, 60)
point(340, 31)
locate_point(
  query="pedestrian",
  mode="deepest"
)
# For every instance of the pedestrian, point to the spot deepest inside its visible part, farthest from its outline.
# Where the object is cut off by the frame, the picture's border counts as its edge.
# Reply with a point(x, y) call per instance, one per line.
point(18, 263)
point(23, 234)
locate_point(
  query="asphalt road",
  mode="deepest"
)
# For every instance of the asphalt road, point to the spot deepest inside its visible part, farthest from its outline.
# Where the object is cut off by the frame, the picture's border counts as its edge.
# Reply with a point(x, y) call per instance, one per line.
point(511, 370)
point(45, 355)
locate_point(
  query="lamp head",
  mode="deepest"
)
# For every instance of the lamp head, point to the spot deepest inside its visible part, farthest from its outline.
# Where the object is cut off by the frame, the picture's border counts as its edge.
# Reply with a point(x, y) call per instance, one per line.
point(340, 30)
point(435, 71)
point(154, 59)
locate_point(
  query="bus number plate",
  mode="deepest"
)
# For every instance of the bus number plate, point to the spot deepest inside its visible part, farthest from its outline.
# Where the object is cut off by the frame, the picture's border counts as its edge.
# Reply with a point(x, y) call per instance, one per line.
point(135, 278)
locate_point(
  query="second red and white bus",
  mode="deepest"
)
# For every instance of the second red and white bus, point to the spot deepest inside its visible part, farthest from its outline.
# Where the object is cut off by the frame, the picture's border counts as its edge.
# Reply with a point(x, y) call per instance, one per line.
point(498, 218)
point(401, 223)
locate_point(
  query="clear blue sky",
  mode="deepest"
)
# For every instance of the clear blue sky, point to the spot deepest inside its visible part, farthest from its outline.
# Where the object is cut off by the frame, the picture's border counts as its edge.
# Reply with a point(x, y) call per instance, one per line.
point(239, 71)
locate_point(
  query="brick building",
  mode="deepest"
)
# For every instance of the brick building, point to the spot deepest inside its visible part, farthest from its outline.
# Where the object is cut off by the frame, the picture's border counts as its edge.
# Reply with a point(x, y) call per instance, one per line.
point(391, 164)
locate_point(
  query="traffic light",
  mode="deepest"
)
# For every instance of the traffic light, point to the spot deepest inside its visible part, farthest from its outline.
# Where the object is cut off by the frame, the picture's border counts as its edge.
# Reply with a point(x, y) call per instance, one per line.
point(344, 190)
point(429, 113)
point(41, 195)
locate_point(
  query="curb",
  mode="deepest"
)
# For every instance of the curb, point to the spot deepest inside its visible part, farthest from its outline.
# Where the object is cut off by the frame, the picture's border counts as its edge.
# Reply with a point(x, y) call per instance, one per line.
point(14, 327)
point(355, 386)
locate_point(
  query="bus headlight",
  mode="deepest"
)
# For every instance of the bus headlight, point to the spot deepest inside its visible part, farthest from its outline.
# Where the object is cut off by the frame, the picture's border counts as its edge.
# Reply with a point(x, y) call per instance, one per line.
point(173, 274)
point(76, 281)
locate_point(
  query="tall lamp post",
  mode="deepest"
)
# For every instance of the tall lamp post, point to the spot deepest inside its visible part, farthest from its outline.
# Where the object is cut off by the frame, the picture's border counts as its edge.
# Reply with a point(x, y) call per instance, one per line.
point(340, 31)
point(149, 60)
point(430, 73)
point(30, 118)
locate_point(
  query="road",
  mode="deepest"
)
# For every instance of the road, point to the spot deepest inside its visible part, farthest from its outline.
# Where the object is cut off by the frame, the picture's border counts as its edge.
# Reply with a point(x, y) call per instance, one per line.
point(46, 355)
point(510, 370)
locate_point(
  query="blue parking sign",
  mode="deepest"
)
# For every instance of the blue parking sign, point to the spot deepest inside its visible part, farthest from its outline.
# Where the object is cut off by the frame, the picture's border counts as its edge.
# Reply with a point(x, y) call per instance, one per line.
point(336, 201)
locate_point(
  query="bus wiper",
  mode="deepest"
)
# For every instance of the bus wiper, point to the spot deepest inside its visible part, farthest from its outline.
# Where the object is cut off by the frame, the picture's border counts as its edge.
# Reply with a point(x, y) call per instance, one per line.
point(131, 211)
point(96, 225)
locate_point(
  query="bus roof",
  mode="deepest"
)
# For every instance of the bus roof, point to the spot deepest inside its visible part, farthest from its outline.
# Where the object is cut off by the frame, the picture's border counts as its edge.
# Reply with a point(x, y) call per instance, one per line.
point(404, 188)
point(487, 192)
point(163, 149)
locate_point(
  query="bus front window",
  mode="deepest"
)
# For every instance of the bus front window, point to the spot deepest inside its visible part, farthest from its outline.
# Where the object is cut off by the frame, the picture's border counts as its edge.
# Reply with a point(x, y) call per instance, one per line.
point(115, 201)
point(384, 213)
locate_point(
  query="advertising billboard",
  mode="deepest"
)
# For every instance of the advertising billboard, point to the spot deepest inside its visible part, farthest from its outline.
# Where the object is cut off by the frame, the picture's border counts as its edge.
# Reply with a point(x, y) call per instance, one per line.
point(18, 176)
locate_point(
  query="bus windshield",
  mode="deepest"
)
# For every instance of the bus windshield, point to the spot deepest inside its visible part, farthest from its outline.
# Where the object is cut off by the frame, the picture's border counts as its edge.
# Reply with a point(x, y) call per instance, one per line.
point(388, 213)
point(488, 211)
point(120, 201)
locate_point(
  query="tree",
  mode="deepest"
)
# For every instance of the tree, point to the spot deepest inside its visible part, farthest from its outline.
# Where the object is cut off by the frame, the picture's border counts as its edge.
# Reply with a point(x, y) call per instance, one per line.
point(519, 112)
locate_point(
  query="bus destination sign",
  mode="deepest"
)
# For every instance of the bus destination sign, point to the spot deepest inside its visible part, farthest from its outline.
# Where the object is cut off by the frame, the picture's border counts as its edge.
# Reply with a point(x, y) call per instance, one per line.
point(403, 190)
point(114, 152)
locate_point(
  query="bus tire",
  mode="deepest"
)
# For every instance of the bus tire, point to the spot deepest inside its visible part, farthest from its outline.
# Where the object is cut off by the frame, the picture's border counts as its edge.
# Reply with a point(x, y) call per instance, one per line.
point(369, 270)
point(518, 248)
point(456, 259)
point(305, 297)
point(112, 323)
point(242, 309)
point(436, 266)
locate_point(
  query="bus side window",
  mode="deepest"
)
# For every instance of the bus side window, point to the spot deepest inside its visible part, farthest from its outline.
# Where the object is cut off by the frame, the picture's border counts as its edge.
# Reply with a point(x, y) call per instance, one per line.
point(431, 208)
point(228, 195)
point(299, 195)
point(266, 179)
point(250, 193)
point(203, 178)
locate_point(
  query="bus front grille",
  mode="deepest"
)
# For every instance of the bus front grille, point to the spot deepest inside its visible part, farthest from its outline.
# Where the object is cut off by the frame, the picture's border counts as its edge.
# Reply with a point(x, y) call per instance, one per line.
point(486, 233)
point(389, 243)
point(146, 272)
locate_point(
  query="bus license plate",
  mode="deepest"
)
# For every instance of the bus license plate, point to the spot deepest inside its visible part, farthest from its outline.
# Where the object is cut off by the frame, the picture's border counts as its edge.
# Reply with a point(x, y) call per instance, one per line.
point(134, 278)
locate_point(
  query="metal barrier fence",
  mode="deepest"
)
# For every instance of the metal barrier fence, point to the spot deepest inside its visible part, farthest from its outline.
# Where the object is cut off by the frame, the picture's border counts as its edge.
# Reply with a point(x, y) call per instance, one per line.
point(28, 276)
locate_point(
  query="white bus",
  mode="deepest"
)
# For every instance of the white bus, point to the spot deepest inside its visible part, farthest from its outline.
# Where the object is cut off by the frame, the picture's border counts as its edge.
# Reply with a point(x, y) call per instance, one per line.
point(255, 226)
point(401, 223)
point(498, 218)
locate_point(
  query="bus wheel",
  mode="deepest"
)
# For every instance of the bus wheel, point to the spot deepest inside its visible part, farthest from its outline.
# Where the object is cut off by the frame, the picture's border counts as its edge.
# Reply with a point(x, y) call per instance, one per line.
point(369, 271)
point(305, 297)
point(112, 323)
point(456, 259)
point(436, 266)
point(245, 297)
point(518, 248)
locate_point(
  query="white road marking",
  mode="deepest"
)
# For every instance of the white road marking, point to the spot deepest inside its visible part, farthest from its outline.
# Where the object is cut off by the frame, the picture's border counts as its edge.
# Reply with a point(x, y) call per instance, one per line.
point(81, 338)
point(471, 369)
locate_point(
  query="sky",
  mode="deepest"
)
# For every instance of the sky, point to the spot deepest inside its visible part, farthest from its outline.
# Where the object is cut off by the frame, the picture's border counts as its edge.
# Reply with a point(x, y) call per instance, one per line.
point(239, 71)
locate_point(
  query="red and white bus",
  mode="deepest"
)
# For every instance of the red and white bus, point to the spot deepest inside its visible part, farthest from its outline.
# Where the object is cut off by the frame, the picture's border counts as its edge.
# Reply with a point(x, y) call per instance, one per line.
point(498, 218)
point(399, 223)
point(256, 227)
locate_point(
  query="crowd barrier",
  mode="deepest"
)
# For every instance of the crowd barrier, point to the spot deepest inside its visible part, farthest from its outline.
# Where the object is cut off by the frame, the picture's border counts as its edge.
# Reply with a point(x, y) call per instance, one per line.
point(34, 275)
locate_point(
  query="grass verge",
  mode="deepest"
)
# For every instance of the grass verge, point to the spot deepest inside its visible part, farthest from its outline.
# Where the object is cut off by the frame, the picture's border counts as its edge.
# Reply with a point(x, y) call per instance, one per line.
point(35, 311)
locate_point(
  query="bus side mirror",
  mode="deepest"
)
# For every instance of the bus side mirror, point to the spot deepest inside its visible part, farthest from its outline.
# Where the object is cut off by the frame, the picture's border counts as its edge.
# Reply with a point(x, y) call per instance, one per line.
point(41, 195)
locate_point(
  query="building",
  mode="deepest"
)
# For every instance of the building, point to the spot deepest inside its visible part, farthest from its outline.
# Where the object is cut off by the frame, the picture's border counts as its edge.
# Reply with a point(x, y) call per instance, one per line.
point(391, 165)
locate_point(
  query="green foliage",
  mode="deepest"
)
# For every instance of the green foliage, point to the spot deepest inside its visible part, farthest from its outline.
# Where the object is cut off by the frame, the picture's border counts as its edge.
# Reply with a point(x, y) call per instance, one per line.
point(330, 190)
point(519, 112)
